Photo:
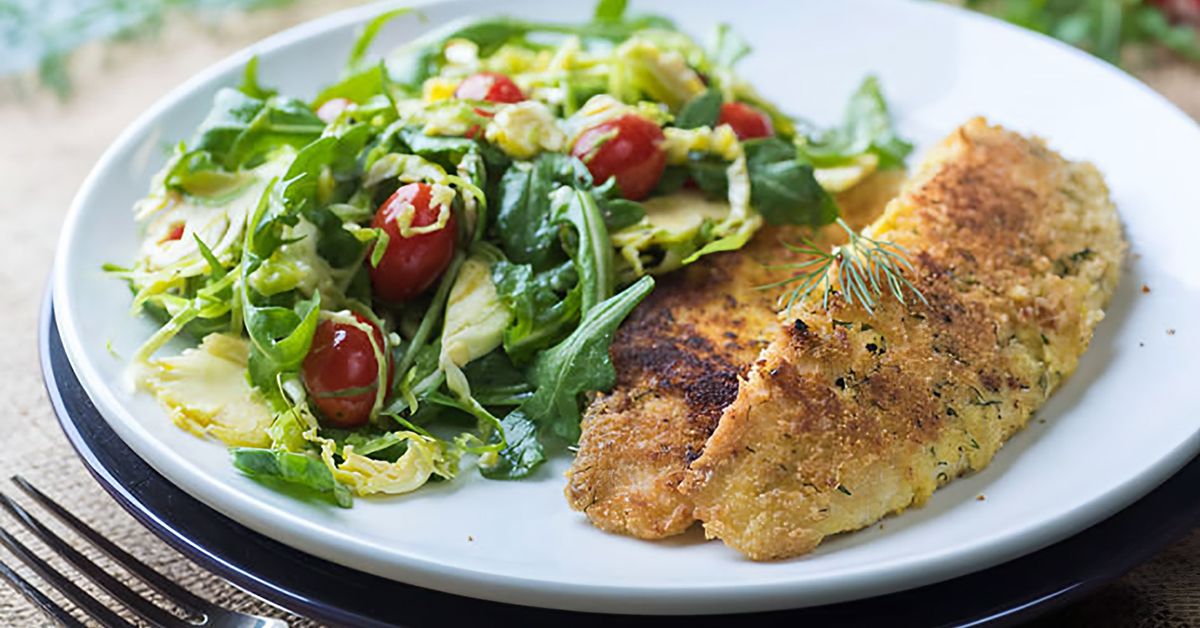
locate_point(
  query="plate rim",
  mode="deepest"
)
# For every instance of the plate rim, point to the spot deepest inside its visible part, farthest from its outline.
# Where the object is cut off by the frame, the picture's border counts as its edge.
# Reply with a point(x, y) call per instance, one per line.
point(758, 596)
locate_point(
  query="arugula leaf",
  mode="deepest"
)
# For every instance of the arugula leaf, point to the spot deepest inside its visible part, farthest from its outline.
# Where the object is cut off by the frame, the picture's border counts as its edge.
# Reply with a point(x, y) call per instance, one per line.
point(541, 314)
point(367, 36)
point(496, 381)
point(618, 212)
point(524, 223)
point(230, 116)
point(543, 305)
point(240, 128)
point(784, 190)
point(195, 173)
point(280, 336)
point(250, 85)
point(701, 110)
point(446, 151)
point(782, 187)
point(867, 128)
point(523, 451)
point(592, 253)
point(728, 47)
point(579, 364)
point(281, 121)
point(709, 174)
point(357, 87)
point(298, 194)
point(292, 468)
point(609, 10)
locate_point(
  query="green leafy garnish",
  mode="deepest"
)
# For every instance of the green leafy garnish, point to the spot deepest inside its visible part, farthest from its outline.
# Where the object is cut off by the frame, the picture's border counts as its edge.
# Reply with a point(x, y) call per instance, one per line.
point(866, 128)
point(241, 128)
point(862, 270)
point(293, 468)
point(701, 110)
point(579, 364)
point(782, 188)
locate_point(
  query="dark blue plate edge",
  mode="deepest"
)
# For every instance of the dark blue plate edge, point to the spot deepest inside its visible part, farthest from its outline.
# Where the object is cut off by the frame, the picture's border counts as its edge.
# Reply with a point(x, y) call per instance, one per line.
point(1128, 538)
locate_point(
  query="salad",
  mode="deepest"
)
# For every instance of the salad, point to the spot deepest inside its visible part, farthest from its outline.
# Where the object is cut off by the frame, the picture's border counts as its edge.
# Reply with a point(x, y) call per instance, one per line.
point(424, 266)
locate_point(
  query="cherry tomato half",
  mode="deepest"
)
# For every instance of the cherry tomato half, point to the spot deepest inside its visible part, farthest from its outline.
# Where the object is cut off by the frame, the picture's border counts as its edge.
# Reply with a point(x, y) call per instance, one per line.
point(341, 372)
point(332, 108)
point(489, 86)
point(176, 233)
point(411, 264)
point(629, 148)
point(747, 122)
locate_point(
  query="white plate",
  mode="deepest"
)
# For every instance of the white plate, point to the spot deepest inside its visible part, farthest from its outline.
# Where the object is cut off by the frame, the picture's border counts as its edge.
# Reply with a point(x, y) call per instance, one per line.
point(1128, 419)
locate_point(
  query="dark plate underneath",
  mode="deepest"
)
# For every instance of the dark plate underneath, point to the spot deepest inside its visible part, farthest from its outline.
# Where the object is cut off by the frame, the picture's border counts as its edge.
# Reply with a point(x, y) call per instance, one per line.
point(1005, 594)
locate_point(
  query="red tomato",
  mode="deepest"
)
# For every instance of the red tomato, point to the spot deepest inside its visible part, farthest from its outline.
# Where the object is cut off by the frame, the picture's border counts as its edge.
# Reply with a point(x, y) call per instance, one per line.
point(332, 108)
point(341, 372)
point(747, 122)
point(176, 233)
point(489, 86)
point(629, 148)
point(410, 265)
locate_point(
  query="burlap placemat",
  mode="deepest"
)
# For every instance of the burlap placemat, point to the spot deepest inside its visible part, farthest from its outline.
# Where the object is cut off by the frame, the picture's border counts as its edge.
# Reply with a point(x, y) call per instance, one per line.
point(48, 147)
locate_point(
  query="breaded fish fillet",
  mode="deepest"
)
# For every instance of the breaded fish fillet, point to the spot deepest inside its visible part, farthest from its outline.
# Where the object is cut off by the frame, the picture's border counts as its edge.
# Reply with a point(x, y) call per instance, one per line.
point(679, 358)
point(848, 417)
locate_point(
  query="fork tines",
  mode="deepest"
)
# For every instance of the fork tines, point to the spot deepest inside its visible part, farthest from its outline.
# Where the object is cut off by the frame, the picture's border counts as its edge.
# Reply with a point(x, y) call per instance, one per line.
point(198, 611)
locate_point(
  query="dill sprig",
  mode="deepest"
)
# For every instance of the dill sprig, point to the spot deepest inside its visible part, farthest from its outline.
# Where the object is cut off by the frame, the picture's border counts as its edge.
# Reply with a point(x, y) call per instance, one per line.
point(862, 269)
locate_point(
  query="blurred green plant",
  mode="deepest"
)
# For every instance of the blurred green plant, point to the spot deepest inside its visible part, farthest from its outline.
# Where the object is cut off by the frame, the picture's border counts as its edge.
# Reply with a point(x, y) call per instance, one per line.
point(1105, 27)
point(39, 35)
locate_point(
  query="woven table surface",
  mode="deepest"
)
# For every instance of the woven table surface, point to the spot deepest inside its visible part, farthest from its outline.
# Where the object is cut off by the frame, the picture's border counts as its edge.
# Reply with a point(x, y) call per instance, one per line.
point(49, 146)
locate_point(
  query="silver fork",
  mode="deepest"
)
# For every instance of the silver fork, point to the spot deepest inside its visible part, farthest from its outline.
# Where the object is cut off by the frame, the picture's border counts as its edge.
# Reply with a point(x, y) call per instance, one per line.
point(199, 612)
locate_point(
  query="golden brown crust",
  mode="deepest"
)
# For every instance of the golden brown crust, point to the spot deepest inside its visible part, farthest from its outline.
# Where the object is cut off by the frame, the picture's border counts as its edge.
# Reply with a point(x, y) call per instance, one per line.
point(847, 417)
point(679, 358)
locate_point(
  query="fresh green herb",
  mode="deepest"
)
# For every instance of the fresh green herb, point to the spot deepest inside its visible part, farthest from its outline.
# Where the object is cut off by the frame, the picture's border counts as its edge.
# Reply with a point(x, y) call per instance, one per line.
point(527, 230)
point(241, 128)
point(728, 47)
point(523, 451)
point(783, 189)
point(367, 35)
point(609, 10)
point(250, 85)
point(701, 110)
point(293, 468)
point(866, 128)
point(543, 305)
point(861, 270)
point(579, 364)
